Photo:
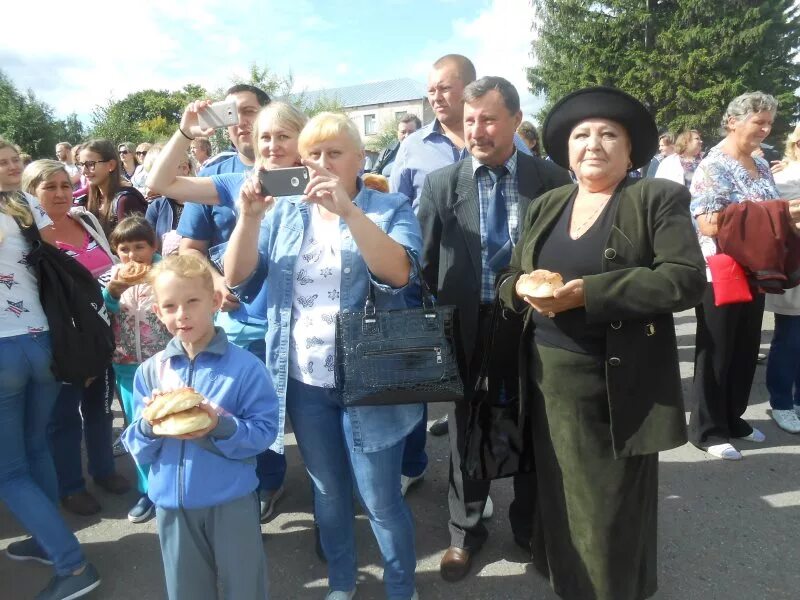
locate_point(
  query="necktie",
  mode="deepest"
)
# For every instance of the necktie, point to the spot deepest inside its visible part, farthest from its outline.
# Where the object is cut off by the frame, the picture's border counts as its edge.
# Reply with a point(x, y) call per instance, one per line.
point(498, 241)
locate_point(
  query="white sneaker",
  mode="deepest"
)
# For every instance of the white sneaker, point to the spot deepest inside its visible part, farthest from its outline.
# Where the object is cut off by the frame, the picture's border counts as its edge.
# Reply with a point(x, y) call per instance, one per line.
point(341, 595)
point(488, 508)
point(406, 482)
point(724, 451)
point(797, 410)
point(787, 420)
point(755, 436)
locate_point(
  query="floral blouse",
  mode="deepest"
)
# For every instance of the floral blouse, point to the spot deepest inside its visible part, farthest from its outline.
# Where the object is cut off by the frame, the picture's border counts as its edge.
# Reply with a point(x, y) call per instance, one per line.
point(721, 180)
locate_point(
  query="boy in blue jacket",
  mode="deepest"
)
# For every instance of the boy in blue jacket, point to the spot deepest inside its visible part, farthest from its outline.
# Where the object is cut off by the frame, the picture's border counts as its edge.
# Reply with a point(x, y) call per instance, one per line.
point(204, 483)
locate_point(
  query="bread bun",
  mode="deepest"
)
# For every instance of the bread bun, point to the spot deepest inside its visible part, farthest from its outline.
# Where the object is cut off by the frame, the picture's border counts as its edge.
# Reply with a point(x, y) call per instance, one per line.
point(132, 272)
point(540, 284)
point(181, 423)
point(171, 402)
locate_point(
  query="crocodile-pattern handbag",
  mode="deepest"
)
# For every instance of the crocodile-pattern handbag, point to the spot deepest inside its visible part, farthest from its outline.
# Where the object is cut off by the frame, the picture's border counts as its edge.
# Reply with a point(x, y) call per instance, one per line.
point(400, 356)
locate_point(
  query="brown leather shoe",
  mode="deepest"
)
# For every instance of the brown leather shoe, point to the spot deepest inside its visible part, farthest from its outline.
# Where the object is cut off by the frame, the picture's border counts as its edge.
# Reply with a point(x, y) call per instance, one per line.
point(455, 564)
point(114, 484)
point(81, 503)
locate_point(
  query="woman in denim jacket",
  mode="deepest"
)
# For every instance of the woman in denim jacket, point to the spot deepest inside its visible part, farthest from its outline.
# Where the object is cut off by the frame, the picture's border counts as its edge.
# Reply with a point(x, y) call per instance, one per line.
point(317, 255)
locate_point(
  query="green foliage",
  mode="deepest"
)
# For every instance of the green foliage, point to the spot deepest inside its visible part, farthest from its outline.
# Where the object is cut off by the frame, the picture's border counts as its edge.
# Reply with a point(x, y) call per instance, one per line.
point(143, 116)
point(29, 122)
point(685, 59)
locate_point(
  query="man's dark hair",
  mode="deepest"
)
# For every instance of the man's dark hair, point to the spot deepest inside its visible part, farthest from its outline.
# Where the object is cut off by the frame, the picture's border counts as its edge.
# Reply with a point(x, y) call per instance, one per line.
point(464, 66)
point(529, 133)
point(409, 118)
point(261, 96)
point(484, 85)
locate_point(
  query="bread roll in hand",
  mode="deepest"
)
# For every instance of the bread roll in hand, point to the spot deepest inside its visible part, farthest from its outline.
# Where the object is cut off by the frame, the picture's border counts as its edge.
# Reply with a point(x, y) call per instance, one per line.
point(177, 412)
point(539, 284)
point(132, 273)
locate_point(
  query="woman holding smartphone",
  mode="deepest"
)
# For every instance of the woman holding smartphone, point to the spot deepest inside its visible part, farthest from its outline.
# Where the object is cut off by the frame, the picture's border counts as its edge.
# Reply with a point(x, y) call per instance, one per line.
point(316, 255)
point(275, 136)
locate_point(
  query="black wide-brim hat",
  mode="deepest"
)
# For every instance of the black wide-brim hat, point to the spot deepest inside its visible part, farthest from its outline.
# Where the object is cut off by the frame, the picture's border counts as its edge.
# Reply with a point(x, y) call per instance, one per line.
point(600, 103)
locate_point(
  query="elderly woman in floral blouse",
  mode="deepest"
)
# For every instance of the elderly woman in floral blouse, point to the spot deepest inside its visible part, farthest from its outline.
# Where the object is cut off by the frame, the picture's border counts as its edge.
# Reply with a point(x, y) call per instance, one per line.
point(728, 337)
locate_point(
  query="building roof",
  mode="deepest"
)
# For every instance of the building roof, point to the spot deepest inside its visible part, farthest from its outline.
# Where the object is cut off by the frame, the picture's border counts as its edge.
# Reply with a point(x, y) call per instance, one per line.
point(365, 94)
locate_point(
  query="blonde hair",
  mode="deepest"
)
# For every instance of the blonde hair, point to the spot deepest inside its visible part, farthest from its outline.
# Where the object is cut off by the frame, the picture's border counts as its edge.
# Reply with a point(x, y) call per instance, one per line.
point(183, 266)
point(325, 126)
point(14, 204)
point(278, 113)
point(792, 151)
point(683, 139)
point(40, 171)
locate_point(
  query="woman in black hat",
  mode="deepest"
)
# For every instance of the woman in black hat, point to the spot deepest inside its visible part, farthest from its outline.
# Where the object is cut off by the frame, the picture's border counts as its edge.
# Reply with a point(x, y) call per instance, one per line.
point(602, 371)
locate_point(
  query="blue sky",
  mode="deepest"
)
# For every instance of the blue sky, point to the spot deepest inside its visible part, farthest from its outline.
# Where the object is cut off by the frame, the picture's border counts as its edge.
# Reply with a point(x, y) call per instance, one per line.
point(165, 44)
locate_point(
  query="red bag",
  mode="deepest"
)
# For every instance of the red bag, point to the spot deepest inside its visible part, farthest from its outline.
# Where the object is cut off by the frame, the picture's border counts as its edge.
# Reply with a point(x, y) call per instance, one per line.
point(728, 280)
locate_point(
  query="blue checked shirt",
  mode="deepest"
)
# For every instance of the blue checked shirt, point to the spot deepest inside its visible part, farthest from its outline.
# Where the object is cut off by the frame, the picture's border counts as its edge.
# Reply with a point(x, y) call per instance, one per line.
point(511, 195)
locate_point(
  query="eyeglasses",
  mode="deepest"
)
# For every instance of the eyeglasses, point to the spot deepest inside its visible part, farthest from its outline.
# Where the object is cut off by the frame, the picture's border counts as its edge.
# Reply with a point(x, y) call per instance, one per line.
point(141, 152)
point(90, 164)
point(123, 151)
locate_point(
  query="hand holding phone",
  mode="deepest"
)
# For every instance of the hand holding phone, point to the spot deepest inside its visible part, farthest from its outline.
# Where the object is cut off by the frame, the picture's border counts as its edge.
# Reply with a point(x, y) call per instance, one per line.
point(218, 115)
point(291, 181)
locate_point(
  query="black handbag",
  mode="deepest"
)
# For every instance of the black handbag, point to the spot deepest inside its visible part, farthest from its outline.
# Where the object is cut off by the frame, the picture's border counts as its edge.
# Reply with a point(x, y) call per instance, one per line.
point(402, 356)
point(499, 438)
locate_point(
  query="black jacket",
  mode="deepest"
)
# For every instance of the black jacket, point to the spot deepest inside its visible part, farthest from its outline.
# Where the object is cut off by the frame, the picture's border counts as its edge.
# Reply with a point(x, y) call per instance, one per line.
point(652, 267)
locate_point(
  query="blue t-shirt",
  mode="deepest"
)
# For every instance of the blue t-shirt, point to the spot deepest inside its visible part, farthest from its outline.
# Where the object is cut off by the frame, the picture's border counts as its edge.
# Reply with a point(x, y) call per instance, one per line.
point(214, 224)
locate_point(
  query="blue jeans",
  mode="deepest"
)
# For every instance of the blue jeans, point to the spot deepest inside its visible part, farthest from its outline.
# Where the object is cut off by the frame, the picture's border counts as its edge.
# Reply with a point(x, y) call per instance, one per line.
point(27, 477)
point(415, 459)
point(783, 365)
point(270, 465)
point(83, 411)
point(325, 440)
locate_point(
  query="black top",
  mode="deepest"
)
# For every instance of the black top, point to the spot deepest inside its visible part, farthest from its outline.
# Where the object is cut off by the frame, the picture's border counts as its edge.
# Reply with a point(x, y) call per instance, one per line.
point(574, 259)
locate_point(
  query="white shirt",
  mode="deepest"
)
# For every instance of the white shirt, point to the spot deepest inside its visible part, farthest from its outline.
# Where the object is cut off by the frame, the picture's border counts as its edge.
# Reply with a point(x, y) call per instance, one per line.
point(20, 309)
point(315, 303)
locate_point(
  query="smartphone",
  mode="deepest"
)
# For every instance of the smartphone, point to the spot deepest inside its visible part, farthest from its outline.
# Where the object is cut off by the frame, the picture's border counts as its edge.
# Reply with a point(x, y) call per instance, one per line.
point(218, 115)
point(283, 182)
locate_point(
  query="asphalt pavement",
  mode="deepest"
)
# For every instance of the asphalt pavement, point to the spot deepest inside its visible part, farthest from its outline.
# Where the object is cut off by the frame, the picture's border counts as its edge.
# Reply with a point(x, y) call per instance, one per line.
point(727, 530)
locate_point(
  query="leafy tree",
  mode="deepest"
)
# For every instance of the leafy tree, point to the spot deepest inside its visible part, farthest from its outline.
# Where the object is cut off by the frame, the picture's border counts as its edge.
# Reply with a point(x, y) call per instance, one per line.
point(29, 122)
point(685, 59)
point(145, 115)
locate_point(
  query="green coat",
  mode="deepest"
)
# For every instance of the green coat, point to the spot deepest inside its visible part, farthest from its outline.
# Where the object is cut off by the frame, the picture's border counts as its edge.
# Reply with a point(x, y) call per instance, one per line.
point(652, 267)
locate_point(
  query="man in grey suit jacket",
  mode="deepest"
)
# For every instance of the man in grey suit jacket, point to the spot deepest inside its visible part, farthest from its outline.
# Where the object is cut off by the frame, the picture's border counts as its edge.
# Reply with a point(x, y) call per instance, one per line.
point(471, 214)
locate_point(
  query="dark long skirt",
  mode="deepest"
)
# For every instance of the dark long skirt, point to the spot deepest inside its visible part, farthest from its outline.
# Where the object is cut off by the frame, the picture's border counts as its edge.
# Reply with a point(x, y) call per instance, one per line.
point(596, 519)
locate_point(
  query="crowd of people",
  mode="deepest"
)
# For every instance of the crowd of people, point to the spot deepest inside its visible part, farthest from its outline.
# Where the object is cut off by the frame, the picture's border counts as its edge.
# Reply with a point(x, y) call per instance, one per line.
point(240, 303)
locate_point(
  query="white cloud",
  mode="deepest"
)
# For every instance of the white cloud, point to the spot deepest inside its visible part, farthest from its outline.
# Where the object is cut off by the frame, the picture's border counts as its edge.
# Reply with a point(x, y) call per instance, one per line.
point(78, 59)
point(497, 40)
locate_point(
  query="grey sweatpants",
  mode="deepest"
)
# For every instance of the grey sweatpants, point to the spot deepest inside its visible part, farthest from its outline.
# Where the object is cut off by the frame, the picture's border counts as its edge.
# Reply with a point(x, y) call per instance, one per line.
point(217, 546)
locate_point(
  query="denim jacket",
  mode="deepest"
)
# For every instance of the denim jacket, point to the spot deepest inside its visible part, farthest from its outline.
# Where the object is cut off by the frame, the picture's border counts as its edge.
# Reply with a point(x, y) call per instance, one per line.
point(280, 239)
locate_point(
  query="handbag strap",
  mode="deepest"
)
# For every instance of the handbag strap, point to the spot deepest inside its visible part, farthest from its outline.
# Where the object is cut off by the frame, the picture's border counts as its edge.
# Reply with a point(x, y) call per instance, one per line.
point(428, 301)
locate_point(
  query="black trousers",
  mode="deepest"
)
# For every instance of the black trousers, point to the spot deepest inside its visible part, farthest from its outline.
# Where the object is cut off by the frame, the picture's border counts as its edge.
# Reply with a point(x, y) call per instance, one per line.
point(466, 497)
point(726, 352)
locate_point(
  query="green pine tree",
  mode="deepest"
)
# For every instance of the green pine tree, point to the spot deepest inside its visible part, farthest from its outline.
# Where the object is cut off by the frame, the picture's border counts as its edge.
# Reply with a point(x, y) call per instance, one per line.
point(685, 59)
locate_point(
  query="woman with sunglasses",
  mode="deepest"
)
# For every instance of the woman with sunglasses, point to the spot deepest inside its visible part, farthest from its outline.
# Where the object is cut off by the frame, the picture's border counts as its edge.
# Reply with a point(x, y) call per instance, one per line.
point(139, 179)
point(127, 157)
point(110, 196)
